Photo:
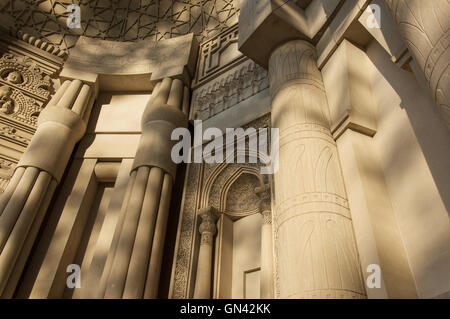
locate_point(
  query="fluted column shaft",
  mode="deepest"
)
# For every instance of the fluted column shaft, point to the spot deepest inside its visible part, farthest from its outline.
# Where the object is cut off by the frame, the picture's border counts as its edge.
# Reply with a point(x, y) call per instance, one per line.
point(208, 230)
point(134, 265)
point(266, 289)
point(23, 204)
point(425, 28)
point(314, 241)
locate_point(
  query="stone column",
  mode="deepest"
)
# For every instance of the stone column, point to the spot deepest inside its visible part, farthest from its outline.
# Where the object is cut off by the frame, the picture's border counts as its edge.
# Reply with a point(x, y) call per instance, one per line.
point(24, 203)
point(134, 265)
point(314, 241)
point(266, 242)
point(207, 229)
point(425, 28)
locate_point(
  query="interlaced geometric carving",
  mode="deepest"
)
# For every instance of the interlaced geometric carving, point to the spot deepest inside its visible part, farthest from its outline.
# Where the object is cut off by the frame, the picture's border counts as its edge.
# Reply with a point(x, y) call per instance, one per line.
point(121, 20)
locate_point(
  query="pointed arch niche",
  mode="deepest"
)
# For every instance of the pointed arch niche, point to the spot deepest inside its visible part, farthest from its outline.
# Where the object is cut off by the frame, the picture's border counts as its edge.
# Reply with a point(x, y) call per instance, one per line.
point(237, 257)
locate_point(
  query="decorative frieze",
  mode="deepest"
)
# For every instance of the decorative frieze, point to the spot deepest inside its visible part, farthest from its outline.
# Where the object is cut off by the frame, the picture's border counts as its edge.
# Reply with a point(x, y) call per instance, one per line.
point(39, 43)
point(11, 133)
point(233, 87)
point(224, 76)
point(6, 170)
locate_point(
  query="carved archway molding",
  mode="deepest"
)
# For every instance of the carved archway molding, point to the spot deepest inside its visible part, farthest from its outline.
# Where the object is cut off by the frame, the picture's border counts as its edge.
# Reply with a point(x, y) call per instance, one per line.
point(199, 178)
point(240, 169)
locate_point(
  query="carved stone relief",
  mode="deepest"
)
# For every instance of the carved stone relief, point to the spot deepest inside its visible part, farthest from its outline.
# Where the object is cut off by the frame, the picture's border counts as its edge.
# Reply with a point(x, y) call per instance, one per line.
point(11, 133)
point(241, 197)
point(227, 186)
point(425, 28)
point(311, 206)
point(6, 168)
point(233, 87)
point(217, 53)
point(224, 76)
point(121, 20)
point(24, 88)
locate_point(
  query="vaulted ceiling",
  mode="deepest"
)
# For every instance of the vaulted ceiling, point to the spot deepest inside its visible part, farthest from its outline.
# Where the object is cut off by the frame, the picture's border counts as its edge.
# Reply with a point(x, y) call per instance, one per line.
point(121, 20)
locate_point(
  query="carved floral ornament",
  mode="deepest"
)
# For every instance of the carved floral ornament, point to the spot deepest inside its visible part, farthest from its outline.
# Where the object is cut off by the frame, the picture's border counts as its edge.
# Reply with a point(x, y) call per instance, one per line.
point(23, 73)
point(23, 88)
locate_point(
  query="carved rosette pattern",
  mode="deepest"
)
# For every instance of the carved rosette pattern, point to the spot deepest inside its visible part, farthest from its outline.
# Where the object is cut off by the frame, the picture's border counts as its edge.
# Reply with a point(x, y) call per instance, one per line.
point(23, 86)
point(425, 28)
point(311, 208)
point(24, 89)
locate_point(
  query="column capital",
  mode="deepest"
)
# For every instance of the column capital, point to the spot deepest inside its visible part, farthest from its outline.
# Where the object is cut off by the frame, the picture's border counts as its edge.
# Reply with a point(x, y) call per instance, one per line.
point(208, 228)
point(263, 193)
point(61, 124)
point(89, 78)
point(294, 62)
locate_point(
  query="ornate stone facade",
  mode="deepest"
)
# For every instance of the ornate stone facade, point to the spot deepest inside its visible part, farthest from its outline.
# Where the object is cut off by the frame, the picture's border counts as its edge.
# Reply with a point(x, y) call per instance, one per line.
point(214, 187)
point(89, 174)
point(425, 28)
point(228, 90)
point(224, 77)
point(25, 88)
point(122, 20)
point(26, 83)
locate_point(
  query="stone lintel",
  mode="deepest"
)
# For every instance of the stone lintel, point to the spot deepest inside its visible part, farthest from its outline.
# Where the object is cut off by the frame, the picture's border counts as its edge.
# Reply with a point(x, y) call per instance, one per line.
point(133, 66)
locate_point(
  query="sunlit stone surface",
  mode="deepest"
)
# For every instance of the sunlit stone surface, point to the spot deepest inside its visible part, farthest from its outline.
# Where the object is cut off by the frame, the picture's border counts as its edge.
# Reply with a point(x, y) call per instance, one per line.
point(357, 207)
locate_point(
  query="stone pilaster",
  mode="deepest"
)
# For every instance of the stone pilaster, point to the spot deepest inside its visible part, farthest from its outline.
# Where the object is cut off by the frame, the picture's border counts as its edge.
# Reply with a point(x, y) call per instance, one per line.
point(134, 265)
point(425, 28)
point(266, 242)
point(24, 203)
point(316, 250)
point(208, 230)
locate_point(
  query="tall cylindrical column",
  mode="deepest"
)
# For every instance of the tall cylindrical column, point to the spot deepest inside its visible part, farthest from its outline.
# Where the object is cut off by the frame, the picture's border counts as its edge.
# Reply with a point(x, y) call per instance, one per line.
point(425, 28)
point(207, 229)
point(266, 289)
point(314, 241)
point(136, 260)
point(60, 126)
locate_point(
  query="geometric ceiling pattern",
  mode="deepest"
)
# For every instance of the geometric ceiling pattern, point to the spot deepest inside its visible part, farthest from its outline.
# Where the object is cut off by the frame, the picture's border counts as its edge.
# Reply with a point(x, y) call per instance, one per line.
point(119, 20)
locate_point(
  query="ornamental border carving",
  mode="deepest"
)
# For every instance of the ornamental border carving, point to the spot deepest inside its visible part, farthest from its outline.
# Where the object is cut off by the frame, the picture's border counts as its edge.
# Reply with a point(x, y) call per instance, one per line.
point(201, 178)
